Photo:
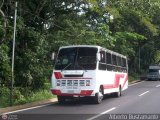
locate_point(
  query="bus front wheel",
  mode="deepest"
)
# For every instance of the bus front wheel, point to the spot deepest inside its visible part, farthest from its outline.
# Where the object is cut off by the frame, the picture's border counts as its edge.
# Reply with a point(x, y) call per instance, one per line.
point(61, 99)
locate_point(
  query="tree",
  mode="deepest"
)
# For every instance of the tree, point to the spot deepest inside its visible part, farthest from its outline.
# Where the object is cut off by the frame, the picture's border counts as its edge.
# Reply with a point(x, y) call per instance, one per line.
point(136, 17)
point(43, 26)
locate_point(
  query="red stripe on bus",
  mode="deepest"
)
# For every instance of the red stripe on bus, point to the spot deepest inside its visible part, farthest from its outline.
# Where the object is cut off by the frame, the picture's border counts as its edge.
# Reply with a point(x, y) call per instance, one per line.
point(116, 82)
point(126, 79)
point(58, 75)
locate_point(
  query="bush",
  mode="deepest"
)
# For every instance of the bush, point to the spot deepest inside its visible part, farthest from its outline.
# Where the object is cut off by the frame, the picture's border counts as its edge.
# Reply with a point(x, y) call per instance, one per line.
point(40, 95)
point(133, 77)
point(4, 96)
point(22, 95)
point(18, 97)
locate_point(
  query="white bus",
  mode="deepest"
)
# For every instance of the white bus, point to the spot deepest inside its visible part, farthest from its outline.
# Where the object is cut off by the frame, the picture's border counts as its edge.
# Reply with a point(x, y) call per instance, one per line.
point(88, 71)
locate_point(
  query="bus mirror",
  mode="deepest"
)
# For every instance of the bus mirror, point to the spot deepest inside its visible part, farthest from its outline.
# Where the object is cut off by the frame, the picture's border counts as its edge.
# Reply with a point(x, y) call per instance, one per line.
point(53, 56)
point(98, 57)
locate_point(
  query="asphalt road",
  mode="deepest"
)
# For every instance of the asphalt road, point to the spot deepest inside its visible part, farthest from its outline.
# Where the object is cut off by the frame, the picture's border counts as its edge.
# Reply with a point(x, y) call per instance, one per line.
point(140, 98)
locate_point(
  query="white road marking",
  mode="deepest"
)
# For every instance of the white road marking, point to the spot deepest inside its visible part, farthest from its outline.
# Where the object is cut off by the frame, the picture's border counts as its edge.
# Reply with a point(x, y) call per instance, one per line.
point(158, 86)
point(96, 116)
point(143, 93)
point(136, 83)
point(27, 109)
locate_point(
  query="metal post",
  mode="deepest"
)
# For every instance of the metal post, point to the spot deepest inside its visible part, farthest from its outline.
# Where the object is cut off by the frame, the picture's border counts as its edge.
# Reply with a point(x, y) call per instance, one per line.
point(13, 51)
point(139, 65)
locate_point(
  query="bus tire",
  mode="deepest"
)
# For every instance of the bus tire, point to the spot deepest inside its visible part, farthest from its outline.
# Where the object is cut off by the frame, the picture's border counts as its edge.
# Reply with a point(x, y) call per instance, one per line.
point(98, 97)
point(61, 99)
point(119, 93)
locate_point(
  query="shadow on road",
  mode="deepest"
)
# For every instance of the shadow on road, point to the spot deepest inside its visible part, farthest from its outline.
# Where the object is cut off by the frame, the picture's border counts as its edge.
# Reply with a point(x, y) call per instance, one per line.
point(83, 101)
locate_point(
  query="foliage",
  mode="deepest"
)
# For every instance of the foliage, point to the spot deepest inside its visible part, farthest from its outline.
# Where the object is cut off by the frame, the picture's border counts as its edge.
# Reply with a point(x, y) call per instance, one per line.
point(20, 95)
point(5, 96)
point(5, 67)
point(129, 27)
point(133, 77)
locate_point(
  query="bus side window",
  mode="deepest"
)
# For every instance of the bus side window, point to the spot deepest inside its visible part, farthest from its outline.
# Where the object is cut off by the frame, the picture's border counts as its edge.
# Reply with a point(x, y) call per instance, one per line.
point(114, 62)
point(109, 61)
point(102, 55)
point(123, 62)
point(102, 62)
point(119, 64)
point(124, 66)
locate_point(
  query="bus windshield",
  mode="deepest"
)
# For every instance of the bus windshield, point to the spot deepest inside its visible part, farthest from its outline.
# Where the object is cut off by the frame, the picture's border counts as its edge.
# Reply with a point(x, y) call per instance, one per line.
point(76, 58)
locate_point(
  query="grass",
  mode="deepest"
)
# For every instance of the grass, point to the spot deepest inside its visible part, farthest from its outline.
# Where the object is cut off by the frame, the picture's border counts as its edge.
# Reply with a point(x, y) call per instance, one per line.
point(22, 96)
point(40, 95)
point(133, 77)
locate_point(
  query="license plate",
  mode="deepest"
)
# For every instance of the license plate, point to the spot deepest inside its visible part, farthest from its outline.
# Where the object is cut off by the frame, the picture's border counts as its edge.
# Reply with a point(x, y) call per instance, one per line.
point(70, 91)
point(75, 87)
point(72, 88)
point(69, 87)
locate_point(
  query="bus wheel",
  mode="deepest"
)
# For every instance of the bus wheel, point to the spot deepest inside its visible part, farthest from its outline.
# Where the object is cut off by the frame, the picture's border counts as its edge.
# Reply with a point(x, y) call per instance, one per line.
point(61, 99)
point(119, 93)
point(98, 97)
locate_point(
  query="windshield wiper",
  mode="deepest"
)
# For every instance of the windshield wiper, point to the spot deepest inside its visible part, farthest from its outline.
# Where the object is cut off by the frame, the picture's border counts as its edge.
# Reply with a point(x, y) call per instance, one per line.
point(67, 66)
point(80, 66)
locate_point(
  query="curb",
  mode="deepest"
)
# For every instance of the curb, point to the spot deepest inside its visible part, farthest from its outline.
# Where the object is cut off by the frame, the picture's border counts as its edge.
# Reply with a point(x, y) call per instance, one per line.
point(39, 103)
point(28, 105)
point(136, 81)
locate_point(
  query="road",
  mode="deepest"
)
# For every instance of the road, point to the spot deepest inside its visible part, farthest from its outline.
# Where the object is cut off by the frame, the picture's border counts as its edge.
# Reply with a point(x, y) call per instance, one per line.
point(139, 98)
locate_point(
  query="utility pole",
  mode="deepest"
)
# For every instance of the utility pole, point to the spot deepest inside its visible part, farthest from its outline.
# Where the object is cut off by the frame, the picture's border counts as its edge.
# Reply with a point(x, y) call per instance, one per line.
point(139, 64)
point(13, 51)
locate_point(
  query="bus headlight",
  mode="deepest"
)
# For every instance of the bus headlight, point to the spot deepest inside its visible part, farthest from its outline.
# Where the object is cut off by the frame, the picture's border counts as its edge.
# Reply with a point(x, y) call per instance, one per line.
point(58, 82)
point(88, 82)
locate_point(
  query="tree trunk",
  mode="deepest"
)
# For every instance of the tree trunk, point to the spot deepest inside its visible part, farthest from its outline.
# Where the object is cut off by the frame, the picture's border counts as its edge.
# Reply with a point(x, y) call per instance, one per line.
point(4, 26)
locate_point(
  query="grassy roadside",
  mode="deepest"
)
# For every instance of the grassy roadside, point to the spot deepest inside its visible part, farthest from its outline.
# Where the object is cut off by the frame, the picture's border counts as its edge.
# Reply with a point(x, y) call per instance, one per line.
point(133, 77)
point(22, 96)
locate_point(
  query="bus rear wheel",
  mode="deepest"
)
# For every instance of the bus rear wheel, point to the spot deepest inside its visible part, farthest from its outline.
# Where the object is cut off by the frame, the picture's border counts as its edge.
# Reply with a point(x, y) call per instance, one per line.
point(98, 96)
point(119, 93)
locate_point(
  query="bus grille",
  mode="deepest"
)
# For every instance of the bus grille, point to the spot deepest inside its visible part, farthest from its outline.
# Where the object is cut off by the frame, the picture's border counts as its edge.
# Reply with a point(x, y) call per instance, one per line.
point(73, 82)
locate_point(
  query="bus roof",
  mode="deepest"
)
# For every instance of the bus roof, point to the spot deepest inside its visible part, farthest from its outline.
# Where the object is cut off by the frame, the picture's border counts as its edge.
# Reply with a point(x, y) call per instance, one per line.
point(95, 46)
